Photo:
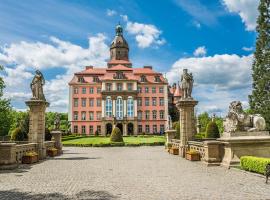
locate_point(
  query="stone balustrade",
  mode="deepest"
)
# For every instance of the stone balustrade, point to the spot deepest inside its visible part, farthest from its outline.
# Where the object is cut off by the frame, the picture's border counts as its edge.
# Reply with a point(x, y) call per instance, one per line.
point(22, 149)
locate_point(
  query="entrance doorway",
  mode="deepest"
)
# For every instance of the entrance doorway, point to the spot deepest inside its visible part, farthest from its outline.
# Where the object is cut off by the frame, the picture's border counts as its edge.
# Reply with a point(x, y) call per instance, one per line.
point(130, 129)
point(108, 129)
point(120, 126)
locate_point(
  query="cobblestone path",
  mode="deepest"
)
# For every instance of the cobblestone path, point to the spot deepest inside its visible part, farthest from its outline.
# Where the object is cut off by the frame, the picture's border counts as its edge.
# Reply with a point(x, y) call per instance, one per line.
point(145, 173)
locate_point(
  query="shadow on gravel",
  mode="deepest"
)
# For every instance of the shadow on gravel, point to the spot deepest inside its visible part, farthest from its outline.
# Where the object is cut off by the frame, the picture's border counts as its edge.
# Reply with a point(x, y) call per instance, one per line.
point(83, 195)
point(76, 158)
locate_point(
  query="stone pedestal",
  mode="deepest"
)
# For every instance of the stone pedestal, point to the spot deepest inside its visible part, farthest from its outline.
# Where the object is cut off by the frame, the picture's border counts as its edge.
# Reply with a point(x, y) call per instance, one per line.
point(8, 156)
point(170, 134)
point(57, 136)
point(244, 144)
point(37, 124)
point(187, 122)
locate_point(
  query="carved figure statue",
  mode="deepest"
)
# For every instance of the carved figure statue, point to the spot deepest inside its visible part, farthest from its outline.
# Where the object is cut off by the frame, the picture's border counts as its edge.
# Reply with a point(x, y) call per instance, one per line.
point(37, 86)
point(238, 120)
point(57, 122)
point(169, 123)
point(186, 84)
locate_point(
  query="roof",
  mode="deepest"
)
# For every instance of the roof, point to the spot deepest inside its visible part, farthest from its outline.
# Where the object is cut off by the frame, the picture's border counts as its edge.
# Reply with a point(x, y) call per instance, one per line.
point(120, 68)
point(178, 91)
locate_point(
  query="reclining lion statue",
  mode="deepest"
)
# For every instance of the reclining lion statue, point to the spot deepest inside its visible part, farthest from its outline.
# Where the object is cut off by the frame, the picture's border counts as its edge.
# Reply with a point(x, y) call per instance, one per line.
point(238, 120)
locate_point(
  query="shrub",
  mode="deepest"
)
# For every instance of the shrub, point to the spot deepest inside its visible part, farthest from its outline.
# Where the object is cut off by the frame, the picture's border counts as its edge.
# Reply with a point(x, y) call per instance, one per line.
point(48, 135)
point(176, 126)
point(200, 136)
point(96, 133)
point(18, 135)
point(212, 130)
point(116, 135)
point(254, 164)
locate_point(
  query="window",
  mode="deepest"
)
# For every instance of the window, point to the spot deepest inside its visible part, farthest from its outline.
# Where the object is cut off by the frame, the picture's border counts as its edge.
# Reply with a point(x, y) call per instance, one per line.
point(98, 115)
point(91, 115)
point(161, 89)
point(143, 78)
point(146, 102)
point(139, 101)
point(119, 75)
point(130, 107)
point(157, 79)
point(75, 91)
point(83, 129)
point(162, 128)
point(108, 107)
point(161, 101)
point(99, 129)
point(119, 86)
point(146, 89)
point(153, 90)
point(81, 80)
point(154, 101)
point(161, 114)
point(83, 115)
point(154, 129)
point(91, 90)
point(95, 79)
point(147, 129)
point(75, 115)
point(84, 90)
point(147, 114)
point(98, 102)
point(139, 89)
point(75, 129)
point(83, 102)
point(140, 128)
point(91, 102)
point(76, 102)
point(99, 90)
point(130, 86)
point(91, 129)
point(108, 86)
point(119, 108)
point(139, 115)
point(154, 114)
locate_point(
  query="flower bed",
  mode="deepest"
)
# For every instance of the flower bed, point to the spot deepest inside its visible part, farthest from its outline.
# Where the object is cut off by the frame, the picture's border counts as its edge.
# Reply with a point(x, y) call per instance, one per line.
point(192, 155)
point(254, 164)
point(30, 157)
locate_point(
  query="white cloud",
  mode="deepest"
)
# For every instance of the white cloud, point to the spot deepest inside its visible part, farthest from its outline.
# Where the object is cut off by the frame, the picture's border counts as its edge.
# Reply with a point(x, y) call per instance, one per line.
point(196, 24)
point(247, 9)
point(219, 79)
point(248, 48)
point(146, 35)
point(111, 12)
point(23, 58)
point(200, 51)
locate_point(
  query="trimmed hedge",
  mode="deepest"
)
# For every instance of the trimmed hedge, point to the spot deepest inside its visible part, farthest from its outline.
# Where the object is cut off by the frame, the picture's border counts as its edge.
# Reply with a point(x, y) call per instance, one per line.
point(254, 164)
point(115, 144)
point(212, 130)
point(116, 135)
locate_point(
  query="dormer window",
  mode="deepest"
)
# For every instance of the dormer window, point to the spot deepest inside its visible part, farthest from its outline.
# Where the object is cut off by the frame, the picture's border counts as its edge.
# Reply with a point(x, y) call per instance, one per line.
point(95, 79)
point(157, 79)
point(119, 75)
point(143, 78)
point(81, 80)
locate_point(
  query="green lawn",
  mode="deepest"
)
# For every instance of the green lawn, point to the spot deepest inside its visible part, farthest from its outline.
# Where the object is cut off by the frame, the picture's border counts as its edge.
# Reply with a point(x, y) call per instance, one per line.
point(73, 140)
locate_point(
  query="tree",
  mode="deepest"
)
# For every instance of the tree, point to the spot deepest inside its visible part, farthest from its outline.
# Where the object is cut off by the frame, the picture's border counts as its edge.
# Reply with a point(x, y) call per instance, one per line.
point(204, 119)
point(176, 126)
point(174, 113)
point(259, 100)
point(5, 109)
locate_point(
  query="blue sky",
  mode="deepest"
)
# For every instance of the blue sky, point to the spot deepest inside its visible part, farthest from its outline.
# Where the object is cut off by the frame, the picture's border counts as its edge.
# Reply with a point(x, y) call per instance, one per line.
point(213, 39)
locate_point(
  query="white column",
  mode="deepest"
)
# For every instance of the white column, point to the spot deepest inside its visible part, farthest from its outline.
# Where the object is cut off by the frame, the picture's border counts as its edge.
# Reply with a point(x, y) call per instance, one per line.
point(103, 87)
point(125, 86)
point(70, 103)
point(114, 86)
point(165, 92)
point(135, 108)
point(114, 108)
point(103, 108)
point(125, 107)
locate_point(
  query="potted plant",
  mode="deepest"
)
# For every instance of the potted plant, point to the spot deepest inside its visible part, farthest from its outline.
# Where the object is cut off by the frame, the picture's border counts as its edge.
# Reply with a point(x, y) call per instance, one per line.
point(174, 150)
point(192, 155)
point(52, 152)
point(30, 157)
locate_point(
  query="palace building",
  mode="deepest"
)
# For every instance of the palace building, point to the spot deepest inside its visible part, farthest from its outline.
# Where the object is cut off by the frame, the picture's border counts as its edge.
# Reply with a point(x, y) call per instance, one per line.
point(133, 99)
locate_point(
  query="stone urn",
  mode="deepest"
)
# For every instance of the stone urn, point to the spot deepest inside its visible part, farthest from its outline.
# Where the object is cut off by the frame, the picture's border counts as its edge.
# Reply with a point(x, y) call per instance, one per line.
point(57, 137)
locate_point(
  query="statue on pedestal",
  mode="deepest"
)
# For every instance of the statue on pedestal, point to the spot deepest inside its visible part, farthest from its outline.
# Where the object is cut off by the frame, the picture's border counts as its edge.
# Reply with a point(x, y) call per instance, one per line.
point(57, 122)
point(187, 84)
point(169, 123)
point(238, 120)
point(37, 86)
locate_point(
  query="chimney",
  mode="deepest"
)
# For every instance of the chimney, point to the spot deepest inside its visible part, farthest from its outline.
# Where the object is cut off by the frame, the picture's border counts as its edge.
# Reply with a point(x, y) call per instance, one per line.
point(147, 67)
point(89, 67)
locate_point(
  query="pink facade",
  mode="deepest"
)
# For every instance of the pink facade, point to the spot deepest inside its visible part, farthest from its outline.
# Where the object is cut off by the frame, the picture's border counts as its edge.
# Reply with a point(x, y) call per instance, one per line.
point(133, 99)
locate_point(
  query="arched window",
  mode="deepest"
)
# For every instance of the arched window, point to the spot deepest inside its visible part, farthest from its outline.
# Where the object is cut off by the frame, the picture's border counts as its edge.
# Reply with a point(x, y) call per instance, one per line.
point(119, 108)
point(108, 107)
point(130, 107)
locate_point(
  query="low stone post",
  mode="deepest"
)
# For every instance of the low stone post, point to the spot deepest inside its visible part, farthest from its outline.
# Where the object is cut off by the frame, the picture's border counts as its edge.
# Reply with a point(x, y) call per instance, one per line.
point(8, 156)
point(187, 123)
point(37, 125)
point(170, 134)
point(57, 136)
